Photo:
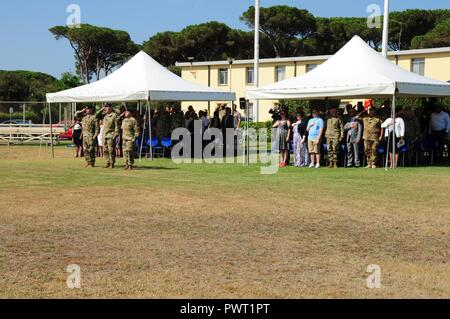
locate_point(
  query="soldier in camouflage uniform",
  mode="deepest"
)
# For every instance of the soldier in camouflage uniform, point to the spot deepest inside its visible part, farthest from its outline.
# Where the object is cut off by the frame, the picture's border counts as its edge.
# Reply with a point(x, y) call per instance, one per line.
point(111, 133)
point(176, 118)
point(162, 126)
point(119, 142)
point(372, 136)
point(334, 135)
point(91, 130)
point(130, 132)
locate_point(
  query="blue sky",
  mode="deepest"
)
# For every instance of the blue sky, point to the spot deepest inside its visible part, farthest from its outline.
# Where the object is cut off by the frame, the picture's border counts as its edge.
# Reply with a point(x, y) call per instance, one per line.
point(26, 43)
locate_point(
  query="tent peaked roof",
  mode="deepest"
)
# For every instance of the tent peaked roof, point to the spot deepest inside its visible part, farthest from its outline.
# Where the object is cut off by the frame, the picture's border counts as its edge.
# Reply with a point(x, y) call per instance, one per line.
point(140, 79)
point(355, 71)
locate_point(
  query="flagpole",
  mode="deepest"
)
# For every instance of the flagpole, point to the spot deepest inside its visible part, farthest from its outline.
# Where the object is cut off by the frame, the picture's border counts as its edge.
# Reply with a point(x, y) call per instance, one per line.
point(385, 28)
point(256, 65)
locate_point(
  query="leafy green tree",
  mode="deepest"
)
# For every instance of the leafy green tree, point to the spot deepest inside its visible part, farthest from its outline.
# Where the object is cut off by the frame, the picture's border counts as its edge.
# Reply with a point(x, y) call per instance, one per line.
point(96, 48)
point(286, 27)
point(164, 47)
point(70, 80)
point(333, 33)
point(240, 44)
point(438, 37)
point(14, 87)
point(205, 42)
point(406, 25)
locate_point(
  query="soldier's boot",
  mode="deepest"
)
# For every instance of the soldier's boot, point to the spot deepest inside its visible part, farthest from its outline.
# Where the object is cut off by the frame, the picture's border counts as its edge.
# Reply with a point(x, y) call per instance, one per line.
point(112, 166)
point(335, 165)
point(331, 164)
point(127, 167)
point(107, 165)
point(130, 167)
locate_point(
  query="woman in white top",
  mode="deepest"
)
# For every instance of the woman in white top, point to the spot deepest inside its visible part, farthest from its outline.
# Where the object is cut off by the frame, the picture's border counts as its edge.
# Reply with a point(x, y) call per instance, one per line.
point(392, 132)
point(77, 136)
point(100, 141)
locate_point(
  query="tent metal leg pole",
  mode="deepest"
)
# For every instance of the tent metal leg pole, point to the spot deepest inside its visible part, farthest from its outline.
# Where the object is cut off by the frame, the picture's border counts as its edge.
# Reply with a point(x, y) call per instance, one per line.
point(43, 125)
point(51, 129)
point(387, 152)
point(142, 142)
point(142, 139)
point(394, 146)
point(388, 142)
point(150, 128)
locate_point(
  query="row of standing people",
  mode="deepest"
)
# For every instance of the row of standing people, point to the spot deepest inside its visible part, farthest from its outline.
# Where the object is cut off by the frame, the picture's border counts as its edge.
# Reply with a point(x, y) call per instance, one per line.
point(166, 120)
point(117, 128)
point(371, 125)
point(110, 131)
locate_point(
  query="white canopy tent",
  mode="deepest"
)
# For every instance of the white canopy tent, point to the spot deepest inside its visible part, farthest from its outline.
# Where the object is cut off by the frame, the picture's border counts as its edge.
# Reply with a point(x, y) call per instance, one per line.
point(356, 71)
point(140, 79)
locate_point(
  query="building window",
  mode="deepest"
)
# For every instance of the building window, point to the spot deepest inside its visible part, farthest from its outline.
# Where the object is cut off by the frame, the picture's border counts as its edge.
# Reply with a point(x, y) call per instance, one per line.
point(223, 76)
point(250, 78)
point(310, 67)
point(280, 73)
point(418, 66)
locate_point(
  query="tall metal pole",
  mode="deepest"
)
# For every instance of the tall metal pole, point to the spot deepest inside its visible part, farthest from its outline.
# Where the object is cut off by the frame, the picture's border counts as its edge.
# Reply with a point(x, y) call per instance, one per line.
point(256, 65)
point(230, 61)
point(385, 28)
point(394, 143)
point(143, 135)
point(51, 129)
point(150, 127)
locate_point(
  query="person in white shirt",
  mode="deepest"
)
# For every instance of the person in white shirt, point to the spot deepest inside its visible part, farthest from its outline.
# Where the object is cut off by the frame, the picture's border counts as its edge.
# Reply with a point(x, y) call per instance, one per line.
point(392, 132)
point(237, 117)
point(205, 120)
point(439, 128)
point(101, 153)
point(77, 136)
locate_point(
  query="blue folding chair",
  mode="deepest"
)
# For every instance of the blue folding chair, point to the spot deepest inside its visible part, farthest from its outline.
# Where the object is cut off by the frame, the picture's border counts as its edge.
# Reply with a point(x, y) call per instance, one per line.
point(325, 152)
point(381, 152)
point(166, 142)
point(343, 154)
point(427, 147)
point(403, 151)
point(158, 150)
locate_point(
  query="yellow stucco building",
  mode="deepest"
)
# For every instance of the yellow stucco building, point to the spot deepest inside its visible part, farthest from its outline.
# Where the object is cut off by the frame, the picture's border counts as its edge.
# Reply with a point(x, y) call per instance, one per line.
point(238, 76)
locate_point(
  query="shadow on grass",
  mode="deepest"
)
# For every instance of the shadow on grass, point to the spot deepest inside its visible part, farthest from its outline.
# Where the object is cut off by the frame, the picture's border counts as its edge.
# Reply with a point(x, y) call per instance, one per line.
point(150, 168)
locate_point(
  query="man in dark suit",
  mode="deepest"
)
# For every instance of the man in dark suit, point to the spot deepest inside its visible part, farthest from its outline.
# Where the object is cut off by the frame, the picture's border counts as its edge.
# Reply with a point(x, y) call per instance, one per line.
point(227, 124)
point(353, 129)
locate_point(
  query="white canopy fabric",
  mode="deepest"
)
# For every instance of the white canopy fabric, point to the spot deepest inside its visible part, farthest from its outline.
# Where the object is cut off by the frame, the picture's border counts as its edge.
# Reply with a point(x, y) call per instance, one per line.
point(140, 79)
point(355, 71)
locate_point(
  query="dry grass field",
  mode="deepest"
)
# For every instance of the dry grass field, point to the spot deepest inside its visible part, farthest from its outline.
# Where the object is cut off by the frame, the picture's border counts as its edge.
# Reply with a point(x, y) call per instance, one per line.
point(219, 231)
